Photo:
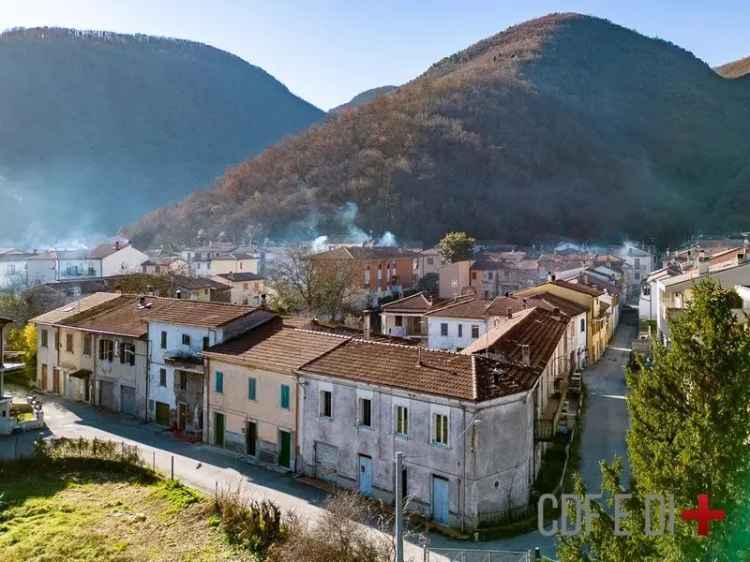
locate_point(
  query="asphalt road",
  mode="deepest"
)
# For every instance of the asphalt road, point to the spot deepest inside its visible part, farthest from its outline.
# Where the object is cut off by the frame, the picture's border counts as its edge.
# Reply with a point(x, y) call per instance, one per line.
point(207, 468)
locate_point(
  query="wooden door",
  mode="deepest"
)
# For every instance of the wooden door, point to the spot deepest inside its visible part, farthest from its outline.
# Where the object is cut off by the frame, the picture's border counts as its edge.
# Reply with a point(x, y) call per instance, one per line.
point(285, 449)
point(56, 381)
point(162, 413)
point(219, 429)
point(251, 438)
point(45, 382)
point(182, 415)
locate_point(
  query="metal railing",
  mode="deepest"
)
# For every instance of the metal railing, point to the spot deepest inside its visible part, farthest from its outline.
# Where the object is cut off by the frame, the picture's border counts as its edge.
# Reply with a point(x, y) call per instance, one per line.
point(476, 555)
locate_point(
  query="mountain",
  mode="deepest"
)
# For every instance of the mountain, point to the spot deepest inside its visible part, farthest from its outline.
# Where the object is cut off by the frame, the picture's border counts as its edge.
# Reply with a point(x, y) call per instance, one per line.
point(97, 128)
point(364, 97)
point(565, 126)
point(736, 69)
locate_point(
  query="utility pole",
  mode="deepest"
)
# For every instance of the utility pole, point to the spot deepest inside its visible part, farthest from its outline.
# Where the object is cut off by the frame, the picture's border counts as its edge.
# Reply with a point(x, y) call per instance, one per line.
point(399, 524)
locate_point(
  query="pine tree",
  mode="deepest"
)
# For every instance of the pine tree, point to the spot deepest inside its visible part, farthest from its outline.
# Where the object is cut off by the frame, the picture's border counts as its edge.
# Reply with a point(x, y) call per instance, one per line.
point(689, 435)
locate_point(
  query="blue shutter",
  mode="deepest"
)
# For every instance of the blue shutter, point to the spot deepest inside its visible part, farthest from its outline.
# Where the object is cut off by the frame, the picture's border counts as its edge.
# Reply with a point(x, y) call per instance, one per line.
point(284, 396)
point(251, 388)
point(219, 381)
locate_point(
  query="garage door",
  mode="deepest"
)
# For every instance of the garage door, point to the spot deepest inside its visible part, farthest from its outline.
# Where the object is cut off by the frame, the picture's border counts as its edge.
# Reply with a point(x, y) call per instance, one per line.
point(326, 460)
point(107, 395)
point(127, 400)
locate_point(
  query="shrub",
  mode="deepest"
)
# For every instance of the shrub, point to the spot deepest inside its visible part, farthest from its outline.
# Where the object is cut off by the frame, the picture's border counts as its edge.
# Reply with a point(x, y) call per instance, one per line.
point(341, 535)
point(254, 525)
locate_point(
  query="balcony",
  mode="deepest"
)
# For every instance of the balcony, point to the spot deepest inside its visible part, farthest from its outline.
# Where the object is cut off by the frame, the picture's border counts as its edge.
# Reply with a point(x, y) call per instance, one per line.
point(555, 414)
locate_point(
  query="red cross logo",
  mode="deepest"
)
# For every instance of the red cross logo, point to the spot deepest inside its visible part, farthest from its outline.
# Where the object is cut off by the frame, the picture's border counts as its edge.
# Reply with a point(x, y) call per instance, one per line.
point(703, 515)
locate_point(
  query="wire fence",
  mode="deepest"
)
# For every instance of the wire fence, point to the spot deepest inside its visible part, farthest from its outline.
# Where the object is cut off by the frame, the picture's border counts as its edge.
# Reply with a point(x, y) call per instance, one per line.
point(477, 555)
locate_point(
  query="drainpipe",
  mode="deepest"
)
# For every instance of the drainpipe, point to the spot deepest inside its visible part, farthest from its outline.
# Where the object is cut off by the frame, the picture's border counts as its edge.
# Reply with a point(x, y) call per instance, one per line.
point(148, 372)
point(207, 370)
point(463, 494)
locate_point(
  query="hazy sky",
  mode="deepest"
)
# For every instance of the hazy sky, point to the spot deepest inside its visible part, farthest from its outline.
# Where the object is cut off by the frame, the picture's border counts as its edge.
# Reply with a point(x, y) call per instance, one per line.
point(328, 51)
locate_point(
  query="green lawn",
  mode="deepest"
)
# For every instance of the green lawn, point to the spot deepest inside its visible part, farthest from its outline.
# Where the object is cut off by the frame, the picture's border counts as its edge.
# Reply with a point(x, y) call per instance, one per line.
point(80, 514)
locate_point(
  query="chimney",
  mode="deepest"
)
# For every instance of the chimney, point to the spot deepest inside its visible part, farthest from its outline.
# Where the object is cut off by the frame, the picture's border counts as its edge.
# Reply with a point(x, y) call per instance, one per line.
point(142, 301)
point(419, 356)
point(117, 244)
point(556, 310)
point(368, 324)
point(510, 312)
point(550, 277)
point(525, 303)
point(178, 293)
point(526, 355)
point(150, 290)
point(507, 294)
point(263, 300)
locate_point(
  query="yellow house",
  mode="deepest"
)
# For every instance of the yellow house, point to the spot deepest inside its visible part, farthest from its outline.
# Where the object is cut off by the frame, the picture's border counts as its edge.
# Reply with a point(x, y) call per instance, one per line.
point(588, 297)
point(253, 398)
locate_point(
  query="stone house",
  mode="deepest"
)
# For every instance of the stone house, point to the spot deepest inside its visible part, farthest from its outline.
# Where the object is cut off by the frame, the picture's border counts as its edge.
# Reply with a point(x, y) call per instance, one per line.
point(464, 422)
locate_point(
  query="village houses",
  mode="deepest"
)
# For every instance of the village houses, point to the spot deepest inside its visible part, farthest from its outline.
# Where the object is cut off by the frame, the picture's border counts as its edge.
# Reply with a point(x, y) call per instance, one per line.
point(245, 288)
point(252, 405)
point(136, 354)
point(467, 424)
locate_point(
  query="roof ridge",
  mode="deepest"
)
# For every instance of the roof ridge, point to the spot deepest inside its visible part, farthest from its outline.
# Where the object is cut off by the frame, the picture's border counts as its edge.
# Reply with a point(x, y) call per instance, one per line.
point(228, 304)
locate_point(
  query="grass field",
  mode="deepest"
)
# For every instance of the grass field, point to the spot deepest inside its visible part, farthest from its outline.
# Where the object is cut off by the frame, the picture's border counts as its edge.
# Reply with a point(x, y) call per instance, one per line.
point(82, 514)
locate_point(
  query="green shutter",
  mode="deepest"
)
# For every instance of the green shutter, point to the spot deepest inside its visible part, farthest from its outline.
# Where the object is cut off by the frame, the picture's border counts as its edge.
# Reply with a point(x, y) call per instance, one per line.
point(251, 388)
point(219, 381)
point(284, 396)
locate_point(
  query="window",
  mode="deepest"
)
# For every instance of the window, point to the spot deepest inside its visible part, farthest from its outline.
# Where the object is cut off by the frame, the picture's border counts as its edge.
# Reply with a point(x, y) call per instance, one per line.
point(399, 321)
point(185, 339)
point(127, 354)
point(87, 344)
point(183, 380)
point(475, 331)
point(285, 396)
point(440, 429)
point(45, 338)
point(460, 330)
point(583, 324)
point(367, 277)
point(162, 377)
point(206, 343)
point(219, 383)
point(444, 329)
point(402, 420)
point(106, 350)
point(164, 340)
point(69, 343)
point(474, 275)
point(326, 404)
point(365, 412)
point(251, 388)
point(637, 263)
point(404, 480)
point(430, 261)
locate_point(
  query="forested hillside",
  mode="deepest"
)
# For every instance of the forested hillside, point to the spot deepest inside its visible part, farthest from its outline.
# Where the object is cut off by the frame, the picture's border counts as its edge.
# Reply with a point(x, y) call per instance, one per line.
point(562, 126)
point(98, 128)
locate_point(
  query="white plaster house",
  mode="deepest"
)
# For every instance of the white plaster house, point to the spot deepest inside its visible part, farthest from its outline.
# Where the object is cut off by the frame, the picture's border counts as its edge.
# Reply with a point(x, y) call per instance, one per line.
point(178, 331)
point(13, 268)
point(641, 263)
point(118, 258)
point(465, 423)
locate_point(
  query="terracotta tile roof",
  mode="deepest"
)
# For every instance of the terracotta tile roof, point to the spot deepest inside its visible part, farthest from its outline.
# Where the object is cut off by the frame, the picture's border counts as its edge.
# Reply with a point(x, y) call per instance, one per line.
point(275, 347)
point(414, 304)
point(500, 305)
point(106, 249)
point(72, 309)
point(540, 329)
point(241, 277)
point(366, 253)
point(193, 283)
point(128, 315)
point(463, 308)
point(439, 373)
point(591, 291)
point(567, 307)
